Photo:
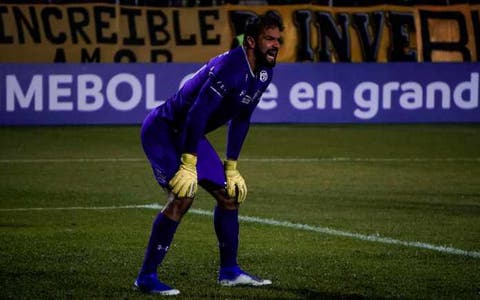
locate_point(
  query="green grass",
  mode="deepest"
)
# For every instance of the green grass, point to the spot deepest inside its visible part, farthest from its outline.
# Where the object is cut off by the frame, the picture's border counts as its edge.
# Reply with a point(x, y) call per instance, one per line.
point(415, 183)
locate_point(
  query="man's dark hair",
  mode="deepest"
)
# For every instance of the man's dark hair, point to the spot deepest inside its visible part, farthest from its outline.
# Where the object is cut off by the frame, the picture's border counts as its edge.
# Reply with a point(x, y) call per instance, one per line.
point(255, 25)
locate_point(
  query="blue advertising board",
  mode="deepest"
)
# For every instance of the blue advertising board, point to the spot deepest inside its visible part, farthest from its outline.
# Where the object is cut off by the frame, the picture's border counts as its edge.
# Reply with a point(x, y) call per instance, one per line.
point(74, 94)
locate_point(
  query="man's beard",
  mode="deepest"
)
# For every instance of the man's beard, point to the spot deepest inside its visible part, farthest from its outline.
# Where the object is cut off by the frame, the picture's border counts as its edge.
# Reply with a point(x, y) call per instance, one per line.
point(262, 59)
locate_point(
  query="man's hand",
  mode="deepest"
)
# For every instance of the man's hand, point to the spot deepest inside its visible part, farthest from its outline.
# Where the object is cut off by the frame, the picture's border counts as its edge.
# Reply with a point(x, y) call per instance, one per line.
point(184, 183)
point(236, 186)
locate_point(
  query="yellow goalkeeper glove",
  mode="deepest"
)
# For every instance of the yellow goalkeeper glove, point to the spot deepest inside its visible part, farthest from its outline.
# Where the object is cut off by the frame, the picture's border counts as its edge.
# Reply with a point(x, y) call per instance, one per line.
point(184, 183)
point(236, 186)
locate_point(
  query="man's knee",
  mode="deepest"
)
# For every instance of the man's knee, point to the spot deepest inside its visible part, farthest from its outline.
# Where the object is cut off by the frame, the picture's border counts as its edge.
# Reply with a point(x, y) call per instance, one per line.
point(176, 208)
point(224, 201)
point(220, 194)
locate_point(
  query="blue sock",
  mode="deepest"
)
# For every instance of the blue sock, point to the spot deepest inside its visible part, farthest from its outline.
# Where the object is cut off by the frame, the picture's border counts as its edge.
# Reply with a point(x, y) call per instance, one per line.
point(227, 229)
point(161, 236)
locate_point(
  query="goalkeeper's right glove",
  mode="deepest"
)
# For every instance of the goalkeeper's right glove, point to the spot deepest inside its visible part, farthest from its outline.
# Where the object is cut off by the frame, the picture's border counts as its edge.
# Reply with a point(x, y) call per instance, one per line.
point(184, 183)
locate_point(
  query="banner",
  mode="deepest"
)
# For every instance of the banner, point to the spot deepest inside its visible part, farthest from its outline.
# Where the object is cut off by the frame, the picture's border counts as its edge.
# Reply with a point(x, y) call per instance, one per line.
point(103, 33)
point(60, 94)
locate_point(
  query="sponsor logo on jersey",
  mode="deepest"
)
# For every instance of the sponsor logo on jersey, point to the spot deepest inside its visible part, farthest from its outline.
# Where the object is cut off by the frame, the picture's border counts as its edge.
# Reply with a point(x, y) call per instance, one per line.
point(247, 99)
point(221, 86)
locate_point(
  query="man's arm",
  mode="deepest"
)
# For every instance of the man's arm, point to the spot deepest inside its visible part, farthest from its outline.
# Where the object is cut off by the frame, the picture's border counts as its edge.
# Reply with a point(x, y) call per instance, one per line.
point(207, 101)
point(185, 182)
point(237, 132)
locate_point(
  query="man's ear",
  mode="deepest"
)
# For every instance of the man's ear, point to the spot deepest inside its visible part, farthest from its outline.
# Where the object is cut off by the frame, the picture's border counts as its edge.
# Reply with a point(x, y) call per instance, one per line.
point(250, 42)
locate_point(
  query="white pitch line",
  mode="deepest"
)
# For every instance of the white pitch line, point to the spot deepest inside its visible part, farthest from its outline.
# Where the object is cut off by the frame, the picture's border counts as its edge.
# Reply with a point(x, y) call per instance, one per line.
point(304, 227)
point(251, 159)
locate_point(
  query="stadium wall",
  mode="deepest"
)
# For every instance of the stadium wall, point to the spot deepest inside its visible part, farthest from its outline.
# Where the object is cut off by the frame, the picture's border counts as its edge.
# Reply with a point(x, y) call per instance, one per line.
point(74, 94)
point(103, 33)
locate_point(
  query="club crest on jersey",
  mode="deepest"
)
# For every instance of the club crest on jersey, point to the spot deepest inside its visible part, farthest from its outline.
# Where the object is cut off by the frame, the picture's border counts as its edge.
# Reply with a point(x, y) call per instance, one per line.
point(263, 76)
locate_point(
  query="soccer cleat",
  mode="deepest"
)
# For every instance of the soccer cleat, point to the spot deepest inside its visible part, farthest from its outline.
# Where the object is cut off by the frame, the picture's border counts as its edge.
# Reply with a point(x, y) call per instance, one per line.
point(233, 276)
point(150, 284)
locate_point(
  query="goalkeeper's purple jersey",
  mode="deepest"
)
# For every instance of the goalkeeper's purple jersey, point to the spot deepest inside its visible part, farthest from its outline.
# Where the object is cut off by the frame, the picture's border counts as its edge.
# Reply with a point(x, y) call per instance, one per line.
point(225, 89)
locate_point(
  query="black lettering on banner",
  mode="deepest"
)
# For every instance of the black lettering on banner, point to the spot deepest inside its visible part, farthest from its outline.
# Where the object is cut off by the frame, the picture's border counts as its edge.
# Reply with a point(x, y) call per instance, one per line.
point(60, 56)
point(28, 22)
point(329, 31)
point(302, 19)
point(132, 38)
point(85, 57)
point(476, 30)
point(100, 24)
point(4, 38)
point(191, 40)
point(457, 46)
point(205, 27)
point(156, 31)
point(401, 25)
point(125, 53)
point(46, 14)
point(370, 43)
point(78, 19)
point(160, 52)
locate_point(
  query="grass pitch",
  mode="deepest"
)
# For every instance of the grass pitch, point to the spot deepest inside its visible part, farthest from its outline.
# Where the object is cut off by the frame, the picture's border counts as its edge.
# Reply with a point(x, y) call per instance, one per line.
point(377, 197)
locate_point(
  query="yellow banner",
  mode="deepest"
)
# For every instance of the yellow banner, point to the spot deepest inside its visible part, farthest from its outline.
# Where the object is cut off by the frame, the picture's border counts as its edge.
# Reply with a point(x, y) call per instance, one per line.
point(120, 33)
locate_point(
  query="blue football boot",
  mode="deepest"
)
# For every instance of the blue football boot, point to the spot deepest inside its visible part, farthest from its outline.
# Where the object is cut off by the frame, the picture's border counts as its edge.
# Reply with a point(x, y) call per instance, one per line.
point(233, 276)
point(150, 284)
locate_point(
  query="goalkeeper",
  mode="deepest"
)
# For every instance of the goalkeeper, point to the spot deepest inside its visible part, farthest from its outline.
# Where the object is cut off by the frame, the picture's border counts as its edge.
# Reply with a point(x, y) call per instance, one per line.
point(225, 90)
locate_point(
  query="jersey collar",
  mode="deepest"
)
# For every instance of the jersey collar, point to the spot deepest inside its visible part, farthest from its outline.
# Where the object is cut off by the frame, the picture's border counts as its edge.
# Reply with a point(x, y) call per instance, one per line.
point(248, 64)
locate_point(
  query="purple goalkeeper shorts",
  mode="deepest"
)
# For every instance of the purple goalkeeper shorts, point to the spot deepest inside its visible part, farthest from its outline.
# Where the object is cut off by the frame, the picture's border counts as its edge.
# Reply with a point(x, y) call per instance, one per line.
point(162, 146)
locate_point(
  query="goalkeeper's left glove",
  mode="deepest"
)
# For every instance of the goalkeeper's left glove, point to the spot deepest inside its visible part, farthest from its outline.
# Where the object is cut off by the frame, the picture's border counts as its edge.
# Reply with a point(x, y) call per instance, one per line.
point(184, 183)
point(236, 186)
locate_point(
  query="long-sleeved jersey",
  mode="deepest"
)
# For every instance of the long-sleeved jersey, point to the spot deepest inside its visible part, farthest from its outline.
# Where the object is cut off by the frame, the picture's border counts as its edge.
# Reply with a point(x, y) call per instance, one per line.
point(225, 89)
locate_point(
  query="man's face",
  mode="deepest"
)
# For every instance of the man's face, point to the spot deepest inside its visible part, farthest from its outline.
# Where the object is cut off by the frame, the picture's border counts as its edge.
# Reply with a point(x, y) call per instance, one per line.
point(267, 45)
